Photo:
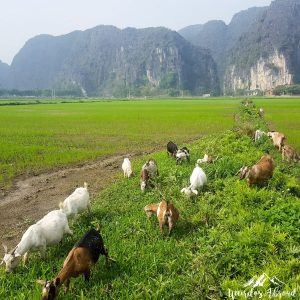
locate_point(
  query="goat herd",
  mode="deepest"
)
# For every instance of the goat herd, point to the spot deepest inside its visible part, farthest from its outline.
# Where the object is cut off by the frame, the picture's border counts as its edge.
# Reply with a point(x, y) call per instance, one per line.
point(85, 253)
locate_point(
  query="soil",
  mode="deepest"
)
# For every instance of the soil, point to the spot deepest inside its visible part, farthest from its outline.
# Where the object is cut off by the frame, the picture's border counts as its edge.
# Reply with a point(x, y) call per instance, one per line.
point(31, 198)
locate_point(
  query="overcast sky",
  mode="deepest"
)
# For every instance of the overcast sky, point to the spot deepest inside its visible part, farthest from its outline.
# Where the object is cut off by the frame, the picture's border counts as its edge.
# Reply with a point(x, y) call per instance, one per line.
point(24, 19)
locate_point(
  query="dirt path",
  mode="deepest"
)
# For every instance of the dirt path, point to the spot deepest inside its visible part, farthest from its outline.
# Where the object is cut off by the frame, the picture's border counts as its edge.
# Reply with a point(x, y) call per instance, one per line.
point(30, 199)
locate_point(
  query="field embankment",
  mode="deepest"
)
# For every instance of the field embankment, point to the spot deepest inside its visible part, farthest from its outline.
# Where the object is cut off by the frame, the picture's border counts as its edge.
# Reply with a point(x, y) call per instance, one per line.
point(227, 235)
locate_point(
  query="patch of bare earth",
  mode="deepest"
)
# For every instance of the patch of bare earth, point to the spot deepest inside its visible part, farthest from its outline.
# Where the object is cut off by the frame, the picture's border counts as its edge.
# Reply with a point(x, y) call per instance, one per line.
point(31, 198)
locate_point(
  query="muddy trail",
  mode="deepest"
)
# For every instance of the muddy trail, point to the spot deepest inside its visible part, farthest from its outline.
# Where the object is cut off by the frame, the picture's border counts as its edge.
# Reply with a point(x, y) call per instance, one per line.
point(31, 198)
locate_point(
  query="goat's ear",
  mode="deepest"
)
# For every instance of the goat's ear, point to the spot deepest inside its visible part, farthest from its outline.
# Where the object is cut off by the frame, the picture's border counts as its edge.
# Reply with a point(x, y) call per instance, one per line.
point(57, 281)
point(12, 252)
point(98, 228)
point(2, 262)
point(239, 171)
point(41, 282)
point(5, 248)
point(195, 192)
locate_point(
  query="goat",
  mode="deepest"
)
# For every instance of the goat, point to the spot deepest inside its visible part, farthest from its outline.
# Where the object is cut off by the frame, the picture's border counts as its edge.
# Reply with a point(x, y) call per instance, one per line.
point(80, 259)
point(172, 149)
point(290, 154)
point(77, 202)
point(126, 167)
point(261, 112)
point(197, 180)
point(260, 172)
point(149, 171)
point(206, 159)
point(47, 231)
point(166, 213)
point(278, 139)
point(259, 134)
point(181, 154)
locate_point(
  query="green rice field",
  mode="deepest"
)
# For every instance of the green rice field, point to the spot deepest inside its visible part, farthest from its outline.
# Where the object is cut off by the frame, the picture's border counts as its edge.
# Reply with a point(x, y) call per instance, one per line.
point(42, 137)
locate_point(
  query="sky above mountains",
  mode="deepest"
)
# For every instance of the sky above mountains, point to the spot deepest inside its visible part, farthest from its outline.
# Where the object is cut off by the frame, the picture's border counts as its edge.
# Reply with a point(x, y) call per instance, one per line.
point(22, 20)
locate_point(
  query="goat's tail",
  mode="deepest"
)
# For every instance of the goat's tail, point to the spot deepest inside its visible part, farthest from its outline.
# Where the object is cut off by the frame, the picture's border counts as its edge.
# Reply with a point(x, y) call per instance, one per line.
point(61, 205)
point(85, 185)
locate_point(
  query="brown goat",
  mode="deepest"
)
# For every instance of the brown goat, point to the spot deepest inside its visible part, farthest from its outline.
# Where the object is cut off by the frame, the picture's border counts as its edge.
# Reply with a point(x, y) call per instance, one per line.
point(260, 172)
point(290, 154)
point(166, 213)
point(80, 259)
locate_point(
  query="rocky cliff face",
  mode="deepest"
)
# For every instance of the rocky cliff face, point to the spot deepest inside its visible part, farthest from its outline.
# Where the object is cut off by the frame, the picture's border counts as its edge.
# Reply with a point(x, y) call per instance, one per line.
point(258, 50)
point(108, 61)
point(220, 38)
point(267, 55)
point(266, 74)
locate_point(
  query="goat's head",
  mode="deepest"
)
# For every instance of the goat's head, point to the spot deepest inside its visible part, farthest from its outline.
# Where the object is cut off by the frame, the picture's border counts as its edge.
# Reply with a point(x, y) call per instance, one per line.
point(189, 192)
point(244, 171)
point(50, 288)
point(11, 259)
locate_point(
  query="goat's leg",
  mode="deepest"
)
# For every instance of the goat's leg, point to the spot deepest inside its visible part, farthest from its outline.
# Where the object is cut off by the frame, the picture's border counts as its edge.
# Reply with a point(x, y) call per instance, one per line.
point(87, 275)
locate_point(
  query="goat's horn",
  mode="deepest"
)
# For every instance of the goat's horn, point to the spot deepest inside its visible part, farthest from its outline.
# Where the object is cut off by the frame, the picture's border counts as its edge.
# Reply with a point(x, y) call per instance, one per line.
point(5, 248)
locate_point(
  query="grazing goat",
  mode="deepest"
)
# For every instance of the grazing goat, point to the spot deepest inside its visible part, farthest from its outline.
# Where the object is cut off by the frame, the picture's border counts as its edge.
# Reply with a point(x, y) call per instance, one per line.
point(127, 169)
point(77, 202)
point(149, 171)
point(205, 159)
point(259, 134)
point(260, 172)
point(166, 213)
point(261, 112)
point(197, 180)
point(47, 231)
point(278, 139)
point(80, 259)
point(181, 154)
point(289, 154)
point(172, 149)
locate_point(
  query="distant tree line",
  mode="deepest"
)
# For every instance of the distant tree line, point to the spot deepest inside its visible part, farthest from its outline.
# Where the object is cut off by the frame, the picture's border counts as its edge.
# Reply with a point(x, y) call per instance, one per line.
point(287, 90)
point(39, 93)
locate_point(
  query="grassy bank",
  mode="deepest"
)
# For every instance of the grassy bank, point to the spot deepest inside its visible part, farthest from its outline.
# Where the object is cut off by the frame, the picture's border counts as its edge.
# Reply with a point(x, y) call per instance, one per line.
point(227, 235)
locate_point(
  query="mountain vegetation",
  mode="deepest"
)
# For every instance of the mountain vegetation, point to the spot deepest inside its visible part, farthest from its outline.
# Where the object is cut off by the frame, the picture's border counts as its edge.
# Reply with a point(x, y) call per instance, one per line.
point(107, 61)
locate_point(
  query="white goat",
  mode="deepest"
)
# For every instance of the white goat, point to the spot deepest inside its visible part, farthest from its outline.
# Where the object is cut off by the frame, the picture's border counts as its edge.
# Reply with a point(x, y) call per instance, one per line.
point(77, 202)
point(197, 180)
point(126, 167)
point(47, 231)
point(259, 134)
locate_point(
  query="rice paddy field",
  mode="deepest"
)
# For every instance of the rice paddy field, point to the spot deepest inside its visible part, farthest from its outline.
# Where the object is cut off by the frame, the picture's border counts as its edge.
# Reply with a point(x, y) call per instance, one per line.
point(42, 137)
point(283, 114)
point(228, 238)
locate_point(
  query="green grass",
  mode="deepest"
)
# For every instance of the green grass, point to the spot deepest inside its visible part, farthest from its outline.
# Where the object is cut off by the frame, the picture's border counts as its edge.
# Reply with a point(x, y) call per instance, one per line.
point(41, 137)
point(224, 237)
point(283, 115)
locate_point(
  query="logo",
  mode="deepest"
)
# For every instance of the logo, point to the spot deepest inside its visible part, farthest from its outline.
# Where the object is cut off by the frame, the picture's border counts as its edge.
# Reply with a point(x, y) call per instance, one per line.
point(262, 280)
point(262, 287)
